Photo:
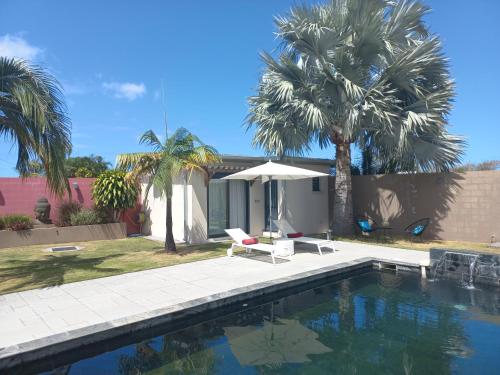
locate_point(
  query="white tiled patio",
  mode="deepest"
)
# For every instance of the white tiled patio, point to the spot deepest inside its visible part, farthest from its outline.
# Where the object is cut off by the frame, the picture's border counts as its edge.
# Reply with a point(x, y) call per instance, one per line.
point(40, 313)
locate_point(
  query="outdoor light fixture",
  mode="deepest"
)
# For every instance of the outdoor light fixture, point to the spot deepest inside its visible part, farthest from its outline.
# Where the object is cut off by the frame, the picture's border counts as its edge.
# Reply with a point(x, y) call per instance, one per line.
point(75, 185)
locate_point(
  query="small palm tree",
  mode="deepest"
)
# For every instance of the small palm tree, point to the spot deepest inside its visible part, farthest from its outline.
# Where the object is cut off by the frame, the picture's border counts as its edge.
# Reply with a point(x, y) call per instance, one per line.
point(351, 71)
point(33, 115)
point(182, 151)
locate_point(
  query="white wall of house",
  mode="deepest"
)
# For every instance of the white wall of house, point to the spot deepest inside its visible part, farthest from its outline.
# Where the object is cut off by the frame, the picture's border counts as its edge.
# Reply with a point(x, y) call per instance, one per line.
point(156, 209)
point(306, 210)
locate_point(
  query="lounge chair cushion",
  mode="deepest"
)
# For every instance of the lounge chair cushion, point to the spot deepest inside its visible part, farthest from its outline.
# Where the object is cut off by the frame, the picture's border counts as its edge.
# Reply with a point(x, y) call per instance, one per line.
point(295, 235)
point(250, 241)
point(365, 225)
point(418, 230)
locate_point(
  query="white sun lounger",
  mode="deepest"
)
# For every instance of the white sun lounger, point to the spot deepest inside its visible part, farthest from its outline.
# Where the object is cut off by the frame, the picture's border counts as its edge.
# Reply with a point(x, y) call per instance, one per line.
point(285, 228)
point(238, 235)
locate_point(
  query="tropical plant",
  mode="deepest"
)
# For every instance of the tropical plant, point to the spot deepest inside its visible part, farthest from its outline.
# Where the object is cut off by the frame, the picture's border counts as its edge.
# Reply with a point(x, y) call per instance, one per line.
point(33, 116)
point(355, 68)
point(488, 165)
point(34, 169)
point(182, 151)
point(112, 191)
point(65, 210)
point(86, 216)
point(85, 166)
point(17, 222)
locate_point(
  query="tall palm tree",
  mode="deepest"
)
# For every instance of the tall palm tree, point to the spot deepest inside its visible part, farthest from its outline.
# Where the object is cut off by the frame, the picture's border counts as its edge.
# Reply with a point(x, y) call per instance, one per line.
point(351, 69)
point(182, 151)
point(33, 115)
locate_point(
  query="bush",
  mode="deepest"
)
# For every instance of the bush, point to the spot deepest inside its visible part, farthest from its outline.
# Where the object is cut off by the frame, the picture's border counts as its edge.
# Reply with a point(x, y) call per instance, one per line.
point(104, 214)
point(17, 222)
point(2, 224)
point(85, 217)
point(64, 212)
point(112, 191)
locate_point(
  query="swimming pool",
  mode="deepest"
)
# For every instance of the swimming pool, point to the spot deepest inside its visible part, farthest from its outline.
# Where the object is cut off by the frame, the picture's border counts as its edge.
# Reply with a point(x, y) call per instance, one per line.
point(371, 323)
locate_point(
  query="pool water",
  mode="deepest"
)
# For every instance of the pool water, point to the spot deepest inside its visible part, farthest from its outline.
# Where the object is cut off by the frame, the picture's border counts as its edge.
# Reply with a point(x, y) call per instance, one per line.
point(372, 323)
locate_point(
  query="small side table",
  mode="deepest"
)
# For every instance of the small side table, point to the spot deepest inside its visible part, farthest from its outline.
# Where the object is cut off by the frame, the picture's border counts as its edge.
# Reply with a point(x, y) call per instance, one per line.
point(284, 247)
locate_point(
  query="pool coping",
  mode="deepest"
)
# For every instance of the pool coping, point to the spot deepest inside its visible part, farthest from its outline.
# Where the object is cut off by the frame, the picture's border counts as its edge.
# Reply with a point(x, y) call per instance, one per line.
point(38, 349)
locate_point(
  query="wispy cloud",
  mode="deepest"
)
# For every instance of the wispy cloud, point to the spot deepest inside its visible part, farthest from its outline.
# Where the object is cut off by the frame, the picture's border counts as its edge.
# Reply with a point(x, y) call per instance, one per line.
point(157, 95)
point(75, 88)
point(16, 46)
point(125, 90)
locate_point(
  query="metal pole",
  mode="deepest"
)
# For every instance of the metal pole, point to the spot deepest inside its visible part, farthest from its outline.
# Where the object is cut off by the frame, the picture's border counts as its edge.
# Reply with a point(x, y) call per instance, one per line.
point(270, 211)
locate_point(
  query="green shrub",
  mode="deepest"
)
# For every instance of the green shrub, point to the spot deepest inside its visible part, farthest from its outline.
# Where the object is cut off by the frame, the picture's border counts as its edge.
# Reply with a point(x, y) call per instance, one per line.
point(17, 222)
point(64, 212)
point(112, 191)
point(104, 214)
point(83, 172)
point(2, 224)
point(85, 216)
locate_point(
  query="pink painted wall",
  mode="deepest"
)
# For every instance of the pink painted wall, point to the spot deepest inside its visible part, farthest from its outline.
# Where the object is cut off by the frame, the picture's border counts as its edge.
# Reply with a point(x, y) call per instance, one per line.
point(18, 196)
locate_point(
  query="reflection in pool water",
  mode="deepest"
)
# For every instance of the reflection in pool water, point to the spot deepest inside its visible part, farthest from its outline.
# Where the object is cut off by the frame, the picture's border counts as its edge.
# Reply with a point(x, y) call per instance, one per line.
point(374, 323)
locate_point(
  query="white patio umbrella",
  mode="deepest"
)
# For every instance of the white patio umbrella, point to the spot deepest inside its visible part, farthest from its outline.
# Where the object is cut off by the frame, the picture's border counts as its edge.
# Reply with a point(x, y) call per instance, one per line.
point(273, 171)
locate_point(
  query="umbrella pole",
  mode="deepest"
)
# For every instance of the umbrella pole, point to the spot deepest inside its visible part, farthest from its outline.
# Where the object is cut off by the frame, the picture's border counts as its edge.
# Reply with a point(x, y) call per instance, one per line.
point(270, 211)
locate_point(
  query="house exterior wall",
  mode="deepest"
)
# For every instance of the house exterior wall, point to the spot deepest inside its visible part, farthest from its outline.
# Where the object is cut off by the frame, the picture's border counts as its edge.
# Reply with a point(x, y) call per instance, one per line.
point(304, 209)
point(189, 210)
point(156, 206)
point(256, 208)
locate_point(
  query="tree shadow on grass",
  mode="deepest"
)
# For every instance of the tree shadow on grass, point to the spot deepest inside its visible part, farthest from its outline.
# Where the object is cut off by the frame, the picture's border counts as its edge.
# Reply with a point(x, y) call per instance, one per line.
point(49, 271)
point(183, 250)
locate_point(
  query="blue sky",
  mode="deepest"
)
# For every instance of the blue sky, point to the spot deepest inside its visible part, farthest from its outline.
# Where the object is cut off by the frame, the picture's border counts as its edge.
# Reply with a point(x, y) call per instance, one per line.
point(113, 57)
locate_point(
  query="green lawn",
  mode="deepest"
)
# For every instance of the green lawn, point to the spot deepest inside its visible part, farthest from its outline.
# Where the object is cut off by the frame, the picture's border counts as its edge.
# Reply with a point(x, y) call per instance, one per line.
point(423, 245)
point(23, 268)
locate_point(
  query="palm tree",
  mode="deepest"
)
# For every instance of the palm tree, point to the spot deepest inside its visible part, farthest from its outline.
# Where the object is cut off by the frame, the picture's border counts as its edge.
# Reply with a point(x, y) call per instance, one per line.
point(182, 151)
point(352, 69)
point(33, 115)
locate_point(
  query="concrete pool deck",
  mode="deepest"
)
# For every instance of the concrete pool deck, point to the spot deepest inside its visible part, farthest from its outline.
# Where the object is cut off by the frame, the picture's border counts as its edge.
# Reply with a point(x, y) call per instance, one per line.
point(45, 321)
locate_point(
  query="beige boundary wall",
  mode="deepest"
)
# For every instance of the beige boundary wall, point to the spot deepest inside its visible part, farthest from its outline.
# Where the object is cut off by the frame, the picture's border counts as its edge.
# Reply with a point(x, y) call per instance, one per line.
point(461, 206)
point(54, 235)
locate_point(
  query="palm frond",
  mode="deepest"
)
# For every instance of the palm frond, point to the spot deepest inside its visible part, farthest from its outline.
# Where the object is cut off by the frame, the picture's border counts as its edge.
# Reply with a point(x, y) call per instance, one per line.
point(355, 66)
point(33, 115)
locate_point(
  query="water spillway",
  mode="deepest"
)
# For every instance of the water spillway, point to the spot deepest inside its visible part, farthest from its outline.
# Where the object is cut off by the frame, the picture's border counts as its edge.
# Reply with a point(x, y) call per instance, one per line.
point(469, 267)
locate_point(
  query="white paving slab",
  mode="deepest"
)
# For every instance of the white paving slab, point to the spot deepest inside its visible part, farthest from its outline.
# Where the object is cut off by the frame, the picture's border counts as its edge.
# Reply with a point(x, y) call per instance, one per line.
point(40, 313)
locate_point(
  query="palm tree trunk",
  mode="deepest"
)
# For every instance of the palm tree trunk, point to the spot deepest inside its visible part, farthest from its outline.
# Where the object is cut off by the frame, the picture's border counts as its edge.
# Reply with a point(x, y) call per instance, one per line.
point(342, 209)
point(169, 236)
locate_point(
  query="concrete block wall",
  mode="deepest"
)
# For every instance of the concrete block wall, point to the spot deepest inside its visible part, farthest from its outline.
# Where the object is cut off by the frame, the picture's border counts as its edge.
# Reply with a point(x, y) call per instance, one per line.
point(461, 206)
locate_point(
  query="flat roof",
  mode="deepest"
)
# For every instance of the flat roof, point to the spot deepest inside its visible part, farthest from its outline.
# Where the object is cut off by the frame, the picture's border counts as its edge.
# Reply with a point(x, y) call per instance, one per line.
point(287, 159)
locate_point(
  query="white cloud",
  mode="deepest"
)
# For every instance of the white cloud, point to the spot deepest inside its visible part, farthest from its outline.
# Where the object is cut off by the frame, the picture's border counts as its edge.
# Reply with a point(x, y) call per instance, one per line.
point(16, 46)
point(74, 88)
point(125, 90)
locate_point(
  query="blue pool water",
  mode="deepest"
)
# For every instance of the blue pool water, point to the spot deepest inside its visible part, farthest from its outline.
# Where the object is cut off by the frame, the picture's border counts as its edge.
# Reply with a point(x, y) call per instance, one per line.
point(372, 323)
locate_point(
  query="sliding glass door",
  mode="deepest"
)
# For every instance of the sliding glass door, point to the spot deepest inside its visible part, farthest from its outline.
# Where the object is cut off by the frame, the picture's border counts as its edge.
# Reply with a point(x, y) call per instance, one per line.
point(238, 204)
point(227, 206)
point(274, 202)
point(218, 208)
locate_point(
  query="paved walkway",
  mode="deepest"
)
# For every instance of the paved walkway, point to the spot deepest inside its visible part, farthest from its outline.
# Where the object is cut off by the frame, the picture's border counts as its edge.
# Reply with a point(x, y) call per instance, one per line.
point(41, 313)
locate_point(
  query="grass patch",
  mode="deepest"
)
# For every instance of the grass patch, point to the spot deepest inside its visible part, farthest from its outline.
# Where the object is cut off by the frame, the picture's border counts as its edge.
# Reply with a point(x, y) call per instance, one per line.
point(423, 245)
point(30, 267)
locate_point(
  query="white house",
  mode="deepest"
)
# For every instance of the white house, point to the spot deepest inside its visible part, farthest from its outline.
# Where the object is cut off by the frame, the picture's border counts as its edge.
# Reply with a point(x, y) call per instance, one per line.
point(203, 208)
